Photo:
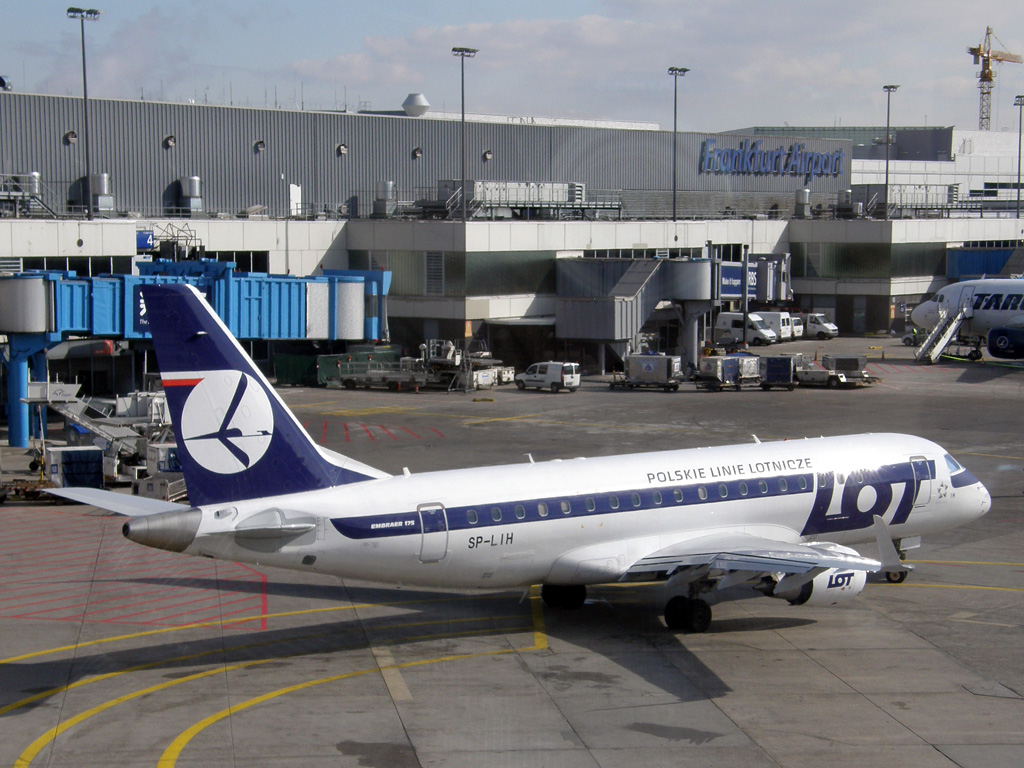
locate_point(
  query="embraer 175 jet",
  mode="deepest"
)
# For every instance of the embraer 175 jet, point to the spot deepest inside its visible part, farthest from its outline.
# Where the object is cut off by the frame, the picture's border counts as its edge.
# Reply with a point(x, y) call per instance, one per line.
point(986, 311)
point(773, 519)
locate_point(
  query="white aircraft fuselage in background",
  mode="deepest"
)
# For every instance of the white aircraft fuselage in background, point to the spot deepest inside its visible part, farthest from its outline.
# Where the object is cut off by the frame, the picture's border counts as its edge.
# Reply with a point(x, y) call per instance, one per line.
point(995, 313)
point(771, 519)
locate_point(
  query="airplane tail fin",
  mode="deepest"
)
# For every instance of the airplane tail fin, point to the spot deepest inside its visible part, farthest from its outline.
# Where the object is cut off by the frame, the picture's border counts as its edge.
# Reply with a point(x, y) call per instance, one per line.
point(236, 438)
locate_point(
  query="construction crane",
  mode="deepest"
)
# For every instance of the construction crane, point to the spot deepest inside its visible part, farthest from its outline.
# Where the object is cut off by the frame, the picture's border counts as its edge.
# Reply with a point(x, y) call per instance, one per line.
point(984, 55)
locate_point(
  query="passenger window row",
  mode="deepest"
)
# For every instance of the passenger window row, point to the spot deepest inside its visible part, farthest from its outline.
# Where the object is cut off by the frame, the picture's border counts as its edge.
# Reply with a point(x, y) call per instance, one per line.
point(633, 500)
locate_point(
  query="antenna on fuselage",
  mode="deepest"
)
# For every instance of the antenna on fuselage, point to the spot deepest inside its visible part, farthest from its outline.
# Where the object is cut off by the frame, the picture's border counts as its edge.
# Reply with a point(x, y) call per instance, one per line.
point(757, 441)
point(530, 457)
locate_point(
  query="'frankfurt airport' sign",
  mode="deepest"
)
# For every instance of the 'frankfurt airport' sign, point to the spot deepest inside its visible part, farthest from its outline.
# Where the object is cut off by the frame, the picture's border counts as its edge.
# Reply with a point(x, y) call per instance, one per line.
point(752, 159)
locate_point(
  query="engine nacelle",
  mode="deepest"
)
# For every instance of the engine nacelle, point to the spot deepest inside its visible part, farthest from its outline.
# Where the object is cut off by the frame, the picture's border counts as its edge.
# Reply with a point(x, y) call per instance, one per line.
point(832, 587)
point(1007, 343)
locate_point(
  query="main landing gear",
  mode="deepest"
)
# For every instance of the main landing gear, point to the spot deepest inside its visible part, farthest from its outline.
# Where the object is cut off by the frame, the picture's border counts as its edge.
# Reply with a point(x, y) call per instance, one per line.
point(568, 596)
point(682, 614)
point(687, 614)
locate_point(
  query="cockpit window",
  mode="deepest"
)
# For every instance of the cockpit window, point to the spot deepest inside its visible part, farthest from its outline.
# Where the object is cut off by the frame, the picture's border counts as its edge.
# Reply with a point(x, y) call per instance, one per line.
point(952, 465)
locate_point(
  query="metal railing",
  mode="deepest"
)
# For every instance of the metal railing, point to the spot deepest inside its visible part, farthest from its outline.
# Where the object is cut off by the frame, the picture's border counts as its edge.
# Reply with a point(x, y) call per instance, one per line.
point(42, 201)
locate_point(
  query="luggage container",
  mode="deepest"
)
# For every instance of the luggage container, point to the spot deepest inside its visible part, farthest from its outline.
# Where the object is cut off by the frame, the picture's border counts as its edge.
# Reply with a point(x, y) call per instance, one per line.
point(778, 371)
point(716, 373)
point(74, 466)
point(650, 371)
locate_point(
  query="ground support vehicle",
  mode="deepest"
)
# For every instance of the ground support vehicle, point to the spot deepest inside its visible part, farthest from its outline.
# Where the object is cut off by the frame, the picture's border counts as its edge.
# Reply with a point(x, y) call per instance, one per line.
point(780, 322)
point(442, 365)
point(650, 372)
point(26, 490)
point(729, 330)
point(716, 373)
point(913, 336)
point(818, 326)
point(406, 374)
point(551, 375)
point(778, 371)
point(835, 371)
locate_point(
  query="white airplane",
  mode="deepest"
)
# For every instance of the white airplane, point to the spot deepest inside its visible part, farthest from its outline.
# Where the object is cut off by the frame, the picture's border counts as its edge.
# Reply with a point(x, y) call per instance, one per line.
point(992, 314)
point(772, 519)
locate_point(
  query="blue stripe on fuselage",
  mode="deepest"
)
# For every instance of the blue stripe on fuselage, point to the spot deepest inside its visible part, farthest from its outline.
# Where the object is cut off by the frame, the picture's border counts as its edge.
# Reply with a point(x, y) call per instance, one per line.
point(529, 510)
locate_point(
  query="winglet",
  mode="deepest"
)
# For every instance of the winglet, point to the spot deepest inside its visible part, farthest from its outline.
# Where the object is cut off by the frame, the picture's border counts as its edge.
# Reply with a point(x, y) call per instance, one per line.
point(887, 550)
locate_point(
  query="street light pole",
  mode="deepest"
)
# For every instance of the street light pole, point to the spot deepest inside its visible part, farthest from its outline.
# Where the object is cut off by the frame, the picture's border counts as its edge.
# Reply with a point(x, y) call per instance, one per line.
point(1019, 103)
point(463, 54)
point(888, 101)
point(83, 15)
point(676, 73)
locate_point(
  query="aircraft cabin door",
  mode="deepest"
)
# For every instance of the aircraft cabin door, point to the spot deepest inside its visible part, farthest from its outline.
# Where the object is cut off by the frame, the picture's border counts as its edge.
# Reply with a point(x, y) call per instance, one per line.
point(922, 479)
point(434, 532)
point(966, 301)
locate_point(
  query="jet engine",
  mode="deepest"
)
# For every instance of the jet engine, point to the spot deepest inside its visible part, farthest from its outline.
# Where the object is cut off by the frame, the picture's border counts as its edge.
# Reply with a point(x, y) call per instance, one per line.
point(830, 587)
point(1007, 343)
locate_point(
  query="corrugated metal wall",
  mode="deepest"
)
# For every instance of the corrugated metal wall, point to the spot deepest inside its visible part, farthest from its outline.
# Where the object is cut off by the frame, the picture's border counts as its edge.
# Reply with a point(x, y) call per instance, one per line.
point(128, 141)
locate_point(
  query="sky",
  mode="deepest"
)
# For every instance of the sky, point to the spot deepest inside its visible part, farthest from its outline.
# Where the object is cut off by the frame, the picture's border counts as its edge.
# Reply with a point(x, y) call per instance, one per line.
point(752, 62)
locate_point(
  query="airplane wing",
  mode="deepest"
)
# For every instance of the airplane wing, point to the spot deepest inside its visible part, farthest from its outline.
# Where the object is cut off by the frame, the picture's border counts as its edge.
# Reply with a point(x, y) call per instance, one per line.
point(121, 503)
point(745, 552)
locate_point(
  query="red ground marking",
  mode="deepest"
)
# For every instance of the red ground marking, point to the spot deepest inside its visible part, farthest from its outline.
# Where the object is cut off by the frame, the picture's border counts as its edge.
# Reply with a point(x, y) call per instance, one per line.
point(164, 608)
point(137, 598)
point(220, 616)
point(323, 437)
point(411, 432)
point(437, 432)
point(71, 567)
point(347, 437)
point(368, 432)
point(386, 432)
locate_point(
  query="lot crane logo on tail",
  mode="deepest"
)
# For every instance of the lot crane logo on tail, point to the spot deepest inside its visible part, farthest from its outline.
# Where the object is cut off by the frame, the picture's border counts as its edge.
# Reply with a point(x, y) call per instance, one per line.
point(227, 421)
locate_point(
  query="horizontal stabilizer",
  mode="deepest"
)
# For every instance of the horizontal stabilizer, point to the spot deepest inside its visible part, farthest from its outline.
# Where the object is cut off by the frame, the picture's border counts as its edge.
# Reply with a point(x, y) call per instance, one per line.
point(121, 503)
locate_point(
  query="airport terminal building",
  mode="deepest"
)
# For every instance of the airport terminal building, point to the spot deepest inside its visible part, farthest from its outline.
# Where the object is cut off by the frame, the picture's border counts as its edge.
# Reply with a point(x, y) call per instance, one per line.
point(555, 238)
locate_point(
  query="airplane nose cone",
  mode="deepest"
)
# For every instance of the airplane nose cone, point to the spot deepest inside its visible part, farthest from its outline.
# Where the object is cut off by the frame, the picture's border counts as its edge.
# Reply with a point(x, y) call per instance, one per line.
point(173, 531)
point(986, 500)
point(923, 314)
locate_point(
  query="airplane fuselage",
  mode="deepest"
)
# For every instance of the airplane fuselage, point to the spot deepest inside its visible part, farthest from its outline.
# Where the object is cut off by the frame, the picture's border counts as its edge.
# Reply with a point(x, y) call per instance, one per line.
point(991, 302)
point(585, 521)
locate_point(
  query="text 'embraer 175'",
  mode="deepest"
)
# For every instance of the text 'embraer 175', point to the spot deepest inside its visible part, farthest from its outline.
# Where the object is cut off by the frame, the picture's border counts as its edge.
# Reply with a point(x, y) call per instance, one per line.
point(775, 519)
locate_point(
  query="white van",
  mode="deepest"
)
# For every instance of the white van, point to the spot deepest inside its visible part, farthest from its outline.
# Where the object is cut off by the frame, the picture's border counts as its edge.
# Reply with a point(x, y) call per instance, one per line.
point(729, 329)
point(818, 326)
point(798, 326)
point(550, 375)
point(779, 322)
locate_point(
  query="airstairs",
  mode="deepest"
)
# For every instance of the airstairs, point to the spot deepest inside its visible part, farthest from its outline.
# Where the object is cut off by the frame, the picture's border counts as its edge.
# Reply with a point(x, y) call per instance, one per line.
point(945, 331)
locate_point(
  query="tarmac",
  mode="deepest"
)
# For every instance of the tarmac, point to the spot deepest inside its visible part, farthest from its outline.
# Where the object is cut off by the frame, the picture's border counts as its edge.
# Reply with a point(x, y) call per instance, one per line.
point(114, 654)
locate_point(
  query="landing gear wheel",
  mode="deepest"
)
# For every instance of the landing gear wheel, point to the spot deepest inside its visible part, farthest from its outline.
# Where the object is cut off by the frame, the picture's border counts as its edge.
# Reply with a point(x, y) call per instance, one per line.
point(896, 577)
point(687, 614)
point(565, 596)
point(974, 354)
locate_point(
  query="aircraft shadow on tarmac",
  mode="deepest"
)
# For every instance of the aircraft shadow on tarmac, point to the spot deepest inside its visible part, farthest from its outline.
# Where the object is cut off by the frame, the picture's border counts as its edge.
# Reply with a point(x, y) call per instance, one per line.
point(624, 629)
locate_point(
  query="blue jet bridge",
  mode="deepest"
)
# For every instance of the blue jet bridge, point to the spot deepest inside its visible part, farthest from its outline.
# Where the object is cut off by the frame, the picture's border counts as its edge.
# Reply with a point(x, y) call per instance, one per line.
point(41, 309)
